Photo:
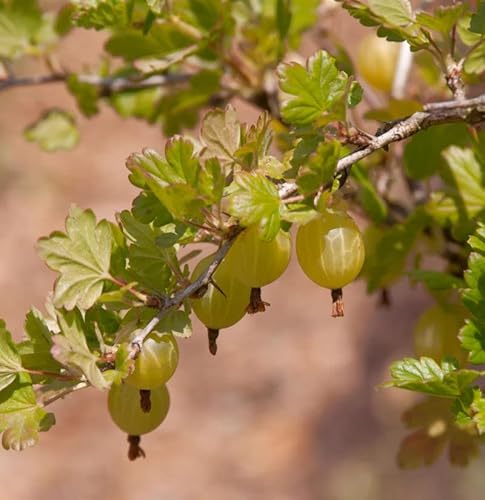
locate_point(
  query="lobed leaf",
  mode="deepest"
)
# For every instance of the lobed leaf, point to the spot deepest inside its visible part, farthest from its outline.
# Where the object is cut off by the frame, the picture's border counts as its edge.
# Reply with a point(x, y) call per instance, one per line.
point(70, 348)
point(10, 361)
point(426, 376)
point(35, 350)
point(319, 168)
point(255, 201)
point(81, 256)
point(313, 90)
point(21, 417)
point(55, 130)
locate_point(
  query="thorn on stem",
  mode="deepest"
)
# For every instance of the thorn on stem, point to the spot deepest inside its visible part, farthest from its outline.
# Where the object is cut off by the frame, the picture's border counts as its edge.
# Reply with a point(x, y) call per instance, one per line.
point(212, 335)
point(337, 303)
point(145, 400)
point(256, 303)
point(134, 450)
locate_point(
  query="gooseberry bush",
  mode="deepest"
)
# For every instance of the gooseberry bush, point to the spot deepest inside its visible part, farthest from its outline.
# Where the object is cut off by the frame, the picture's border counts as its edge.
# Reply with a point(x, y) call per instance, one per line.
point(356, 205)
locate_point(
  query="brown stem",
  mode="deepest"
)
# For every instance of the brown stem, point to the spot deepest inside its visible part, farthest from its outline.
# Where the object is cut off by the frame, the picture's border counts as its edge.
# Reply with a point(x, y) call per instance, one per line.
point(212, 334)
point(337, 303)
point(256, 303)
point(145, 400)
point(59, 376)
point(134, 450)
point(138, 295)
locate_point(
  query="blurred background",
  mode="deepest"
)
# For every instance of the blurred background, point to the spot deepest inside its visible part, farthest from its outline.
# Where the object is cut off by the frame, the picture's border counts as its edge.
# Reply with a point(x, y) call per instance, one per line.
point(288, 409)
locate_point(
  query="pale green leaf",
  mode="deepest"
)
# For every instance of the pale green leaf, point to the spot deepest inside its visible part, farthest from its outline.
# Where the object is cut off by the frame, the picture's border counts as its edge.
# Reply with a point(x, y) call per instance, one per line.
point(21, 418)
point(24, 29)
point(397, 12)
point(55, 130)
point(100, 14)
point(221, 133)
point(70, 348)
point(10, 362)
point(465, 178)
point(81, 256)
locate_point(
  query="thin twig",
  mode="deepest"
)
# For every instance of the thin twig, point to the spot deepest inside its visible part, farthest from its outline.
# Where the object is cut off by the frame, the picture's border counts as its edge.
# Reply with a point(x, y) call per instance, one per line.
point(64, 392)
point(108, 85)
point(179, 297)
point(469, 111)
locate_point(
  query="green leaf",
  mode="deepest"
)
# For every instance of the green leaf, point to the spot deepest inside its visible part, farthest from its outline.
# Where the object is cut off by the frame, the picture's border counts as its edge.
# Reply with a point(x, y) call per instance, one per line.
point(255, 200)
point(35, 351)
point(100, 14)
point(283, 17)
point(395, 110)
point(320, 167)
point(475, 62)
point(85, 93)
point(463, 27)
point(393, 19)
point(387, 257)
point(64, 21)
point(176, 322)
point(23, 29)
point(21, 418)
point(355, 94)
point(163, 40)
point(179, 181)
point(55, 130)
point(369, 198)
point(313, 90)
point(140, 103)
point(303, 16)
point(426, 376)
point(472, 337)
point(81, 256)
point(70, 348)
point(10, 362)
point(148, 261)
point(156, 6)
point(123, 364)
point(477, 22)
point(465, 192)
point(436, 280)
point(397, 12)
point(148, 208)
point(441, 19)
point(256, 143)
point(299, 213)
point(423, 153)
point(221, 133)
point(179, 108)
point(478, 409)
point(131, 45)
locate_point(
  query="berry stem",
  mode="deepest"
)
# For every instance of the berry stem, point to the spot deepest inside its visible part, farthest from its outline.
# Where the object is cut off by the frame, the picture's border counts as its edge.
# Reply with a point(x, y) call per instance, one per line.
point(337, 303)
point(212, 334)
point(135, 451)
point(256, 303)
